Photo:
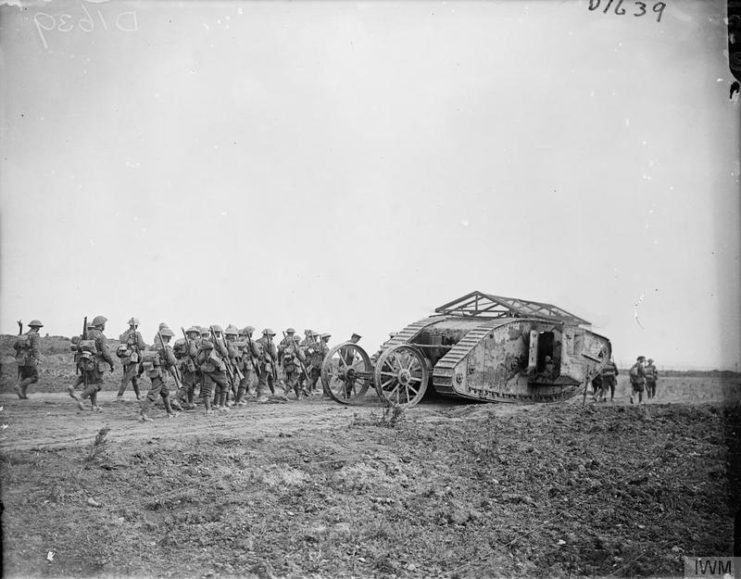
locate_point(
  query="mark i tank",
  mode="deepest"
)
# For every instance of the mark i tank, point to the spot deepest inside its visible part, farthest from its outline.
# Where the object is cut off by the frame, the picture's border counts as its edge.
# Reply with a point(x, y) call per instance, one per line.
point(478, 347)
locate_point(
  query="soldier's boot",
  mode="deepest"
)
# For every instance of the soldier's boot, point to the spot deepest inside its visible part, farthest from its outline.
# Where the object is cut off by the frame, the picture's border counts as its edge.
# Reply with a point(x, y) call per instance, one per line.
point(121, 390)
point(135, 384)
point(260, 393)
point(17, 390)
point(24, 387)
point(74, 396)
point(144, 410)
point(168, 407)
point(94, 402)
point(207, 403)
point(238, 398)
point(224, 406)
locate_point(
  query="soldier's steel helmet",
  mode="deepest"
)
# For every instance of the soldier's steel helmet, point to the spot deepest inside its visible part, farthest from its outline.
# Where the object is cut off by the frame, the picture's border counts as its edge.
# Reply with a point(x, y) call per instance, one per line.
point(246, 331)
point(641, 359)
point(290, 331)
point(231, 331)
point(99, 320)
point(356, 336)
point(296, 338)
point(133, 322)
point(35, 324)
point(193, 330)
point(268, 332)
point(323, 336)
point(166, 332)
point(650, 360)
point(217, 328)
point(163, 325)
point(308, 332)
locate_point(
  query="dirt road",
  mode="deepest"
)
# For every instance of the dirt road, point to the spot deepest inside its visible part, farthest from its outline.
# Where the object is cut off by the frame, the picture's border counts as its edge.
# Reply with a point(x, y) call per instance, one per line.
point(52, 420)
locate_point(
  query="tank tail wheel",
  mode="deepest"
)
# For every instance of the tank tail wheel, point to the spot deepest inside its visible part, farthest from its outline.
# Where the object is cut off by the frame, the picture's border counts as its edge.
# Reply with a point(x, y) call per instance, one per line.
point(401, 375)
point(347, 373)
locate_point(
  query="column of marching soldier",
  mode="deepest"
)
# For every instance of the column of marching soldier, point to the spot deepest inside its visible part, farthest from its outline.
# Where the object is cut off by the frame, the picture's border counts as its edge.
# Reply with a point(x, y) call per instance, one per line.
point(219, 363)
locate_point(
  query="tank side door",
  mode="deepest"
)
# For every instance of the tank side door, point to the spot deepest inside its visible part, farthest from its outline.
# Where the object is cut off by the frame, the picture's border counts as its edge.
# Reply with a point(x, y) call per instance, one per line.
point(532, 359)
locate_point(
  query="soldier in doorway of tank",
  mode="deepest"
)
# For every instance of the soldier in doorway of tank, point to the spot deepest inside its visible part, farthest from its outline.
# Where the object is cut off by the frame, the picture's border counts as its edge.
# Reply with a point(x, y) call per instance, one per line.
point(247, 364)
point(27, 357)
point(91, 358)
point(156, 363)
point(292, 360)
point(652, 376)
point(549, 369)
point(637, 379)
point(186, 351)
point(609, 379)
point(266, 353)
point(129, 352)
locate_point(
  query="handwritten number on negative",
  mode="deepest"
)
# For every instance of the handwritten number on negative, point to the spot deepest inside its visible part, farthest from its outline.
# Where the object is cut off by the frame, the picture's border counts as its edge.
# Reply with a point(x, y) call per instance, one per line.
point(640, 7)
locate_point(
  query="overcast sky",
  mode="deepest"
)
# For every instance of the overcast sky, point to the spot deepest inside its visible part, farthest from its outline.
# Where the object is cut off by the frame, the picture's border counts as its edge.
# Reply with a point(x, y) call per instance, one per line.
point(351, 166)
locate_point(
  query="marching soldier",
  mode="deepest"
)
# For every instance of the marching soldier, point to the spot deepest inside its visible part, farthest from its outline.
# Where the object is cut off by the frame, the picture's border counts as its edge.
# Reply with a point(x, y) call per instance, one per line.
point(186, 351)
point(292, 360)
point(27, 357)
point(129, 352)
point(652, 376)
point(265, 351)
point(316, 353)
point(213, 371)
point(156, 362)
point(609, 379)
point(247, 364)
point(234, 359)
point(348, 354)
point(221, 378)
point(637, 379)
point(287, 341)
point(92, 356)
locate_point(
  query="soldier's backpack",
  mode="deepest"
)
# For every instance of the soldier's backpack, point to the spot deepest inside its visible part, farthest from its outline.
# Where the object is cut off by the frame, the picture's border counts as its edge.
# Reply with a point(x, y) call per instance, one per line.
point(87, 351)
point(152, 363)
point(22, 347)
point(180, 348)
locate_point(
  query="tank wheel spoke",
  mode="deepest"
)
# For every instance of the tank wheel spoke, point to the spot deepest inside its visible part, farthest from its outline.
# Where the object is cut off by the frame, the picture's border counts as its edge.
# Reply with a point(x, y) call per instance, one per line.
point(401, 375)
point(346, 373)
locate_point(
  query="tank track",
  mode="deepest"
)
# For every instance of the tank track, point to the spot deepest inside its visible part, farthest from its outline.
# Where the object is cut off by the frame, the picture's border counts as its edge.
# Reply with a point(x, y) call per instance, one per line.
point(405, 336)
point(442, 373)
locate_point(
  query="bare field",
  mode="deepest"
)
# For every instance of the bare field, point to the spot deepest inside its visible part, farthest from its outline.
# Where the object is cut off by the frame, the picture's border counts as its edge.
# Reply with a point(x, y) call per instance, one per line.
point(315, 489)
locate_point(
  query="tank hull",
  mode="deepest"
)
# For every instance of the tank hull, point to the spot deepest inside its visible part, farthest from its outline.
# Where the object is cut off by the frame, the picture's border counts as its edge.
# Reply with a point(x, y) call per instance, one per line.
point(499, 360)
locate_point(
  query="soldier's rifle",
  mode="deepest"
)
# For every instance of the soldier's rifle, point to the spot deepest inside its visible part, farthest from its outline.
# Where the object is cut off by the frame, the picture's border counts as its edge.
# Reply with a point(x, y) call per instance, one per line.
point(84, 337)
point(173, 370)
point(252, 358)
point(20, 333)
point(227, 361)
point(297, 350)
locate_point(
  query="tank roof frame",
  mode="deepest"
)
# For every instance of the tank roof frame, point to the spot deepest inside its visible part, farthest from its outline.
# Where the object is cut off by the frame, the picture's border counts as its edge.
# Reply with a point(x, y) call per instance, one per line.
point(482, 305)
